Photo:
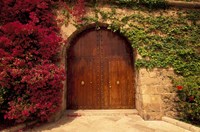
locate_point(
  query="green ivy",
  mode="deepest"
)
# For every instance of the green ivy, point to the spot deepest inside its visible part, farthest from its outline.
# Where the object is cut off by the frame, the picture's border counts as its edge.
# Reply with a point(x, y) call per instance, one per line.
point(154, 3)
point(162, 42)
point(189, 97)
point(179, 40)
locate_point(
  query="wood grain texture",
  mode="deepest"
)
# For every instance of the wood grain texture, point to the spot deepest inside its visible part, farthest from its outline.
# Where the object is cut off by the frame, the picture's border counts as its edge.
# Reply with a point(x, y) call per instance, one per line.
point(100, 72)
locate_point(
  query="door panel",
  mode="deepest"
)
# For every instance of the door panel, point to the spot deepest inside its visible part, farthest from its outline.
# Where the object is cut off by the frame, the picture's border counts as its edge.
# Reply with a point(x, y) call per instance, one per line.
point(113, 45)
point(118, 91)
point(117, 71)
point(85, 83)
point(100, 72)
point(85, 45)
point(115, 97)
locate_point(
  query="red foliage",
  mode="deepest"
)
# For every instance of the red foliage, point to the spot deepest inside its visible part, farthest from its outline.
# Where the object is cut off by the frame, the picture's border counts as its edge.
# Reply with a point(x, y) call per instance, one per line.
point(29, 45)
point(24, 43)
point(79, 10)
point(28, 11)
point(38, 93)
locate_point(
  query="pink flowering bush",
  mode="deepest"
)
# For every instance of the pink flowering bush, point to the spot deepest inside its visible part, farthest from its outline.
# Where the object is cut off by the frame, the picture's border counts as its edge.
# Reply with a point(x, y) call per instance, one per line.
point(79, 10)
point(38, 94)
point(30, 81)
point(38, 12)
point(27, 43)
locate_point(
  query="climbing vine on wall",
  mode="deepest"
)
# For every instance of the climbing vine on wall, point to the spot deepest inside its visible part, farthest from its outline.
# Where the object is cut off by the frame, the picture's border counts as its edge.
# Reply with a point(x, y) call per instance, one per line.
point(162, 41)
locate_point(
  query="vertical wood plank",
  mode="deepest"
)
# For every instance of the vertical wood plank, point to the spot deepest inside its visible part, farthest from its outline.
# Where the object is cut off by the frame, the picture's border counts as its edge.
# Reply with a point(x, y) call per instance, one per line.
point(100, 71)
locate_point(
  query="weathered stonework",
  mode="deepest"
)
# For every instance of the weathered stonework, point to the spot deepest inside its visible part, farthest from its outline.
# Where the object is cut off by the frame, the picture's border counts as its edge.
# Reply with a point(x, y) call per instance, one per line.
point(155, 96)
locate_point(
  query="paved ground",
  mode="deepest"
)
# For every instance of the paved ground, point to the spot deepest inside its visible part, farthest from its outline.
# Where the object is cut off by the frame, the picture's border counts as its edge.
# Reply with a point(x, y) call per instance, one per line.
point(106, 123)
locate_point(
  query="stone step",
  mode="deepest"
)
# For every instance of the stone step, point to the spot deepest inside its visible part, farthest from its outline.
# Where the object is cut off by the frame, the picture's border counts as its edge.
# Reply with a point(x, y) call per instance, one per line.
point(143, 128)
point(114, 112)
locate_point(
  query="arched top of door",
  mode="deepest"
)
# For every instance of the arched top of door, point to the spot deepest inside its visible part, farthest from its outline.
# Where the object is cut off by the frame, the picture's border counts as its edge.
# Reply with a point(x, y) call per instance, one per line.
point(90, 27)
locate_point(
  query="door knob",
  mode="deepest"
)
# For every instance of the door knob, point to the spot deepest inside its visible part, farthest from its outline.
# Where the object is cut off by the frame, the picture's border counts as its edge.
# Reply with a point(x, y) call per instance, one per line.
point(117, 82)
point(82, 82)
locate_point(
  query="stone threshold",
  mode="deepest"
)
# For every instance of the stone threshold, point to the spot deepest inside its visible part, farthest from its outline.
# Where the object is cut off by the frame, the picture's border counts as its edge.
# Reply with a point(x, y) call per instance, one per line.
point(103, 112)
point(181, 124)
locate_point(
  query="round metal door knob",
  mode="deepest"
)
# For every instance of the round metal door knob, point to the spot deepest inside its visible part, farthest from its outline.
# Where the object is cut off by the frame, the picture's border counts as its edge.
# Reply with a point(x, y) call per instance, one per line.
point(117, 82)
point(82, 82)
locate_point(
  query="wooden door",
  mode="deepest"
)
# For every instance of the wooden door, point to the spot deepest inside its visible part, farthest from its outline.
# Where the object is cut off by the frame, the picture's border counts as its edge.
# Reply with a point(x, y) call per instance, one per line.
point(100, 72)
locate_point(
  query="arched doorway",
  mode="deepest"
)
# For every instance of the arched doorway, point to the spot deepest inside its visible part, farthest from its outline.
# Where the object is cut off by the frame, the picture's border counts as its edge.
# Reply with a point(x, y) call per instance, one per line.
point(100, 71)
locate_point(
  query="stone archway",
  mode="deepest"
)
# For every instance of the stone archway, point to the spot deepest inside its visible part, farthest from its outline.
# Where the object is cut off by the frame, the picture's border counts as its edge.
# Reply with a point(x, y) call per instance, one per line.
point(100, 71)
point(152, 88)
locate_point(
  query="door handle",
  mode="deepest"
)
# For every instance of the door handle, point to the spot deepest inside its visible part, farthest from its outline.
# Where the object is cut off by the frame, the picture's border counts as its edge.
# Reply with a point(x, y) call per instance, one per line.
point(82, 82)
point(117, 82)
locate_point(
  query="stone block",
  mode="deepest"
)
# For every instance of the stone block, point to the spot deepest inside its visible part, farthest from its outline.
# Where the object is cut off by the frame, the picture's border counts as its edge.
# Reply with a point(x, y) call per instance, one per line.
point(183, 125)
point(143, 128)
point(143, 72)
point(152, 107)
point(153, 74)
point(165, 89)
point(165, 80)
point(148, 89)
point(172, 114)
point(138, 89)
point(152, 115)
point(169, 120)
point(169, 71)
point(168, 105)
point(67, 31)
point(149, 99)
point(151, 103)
point(168, 98)
point(194, 129)
point(141, 113)
point(138, 105)
point(150, 81)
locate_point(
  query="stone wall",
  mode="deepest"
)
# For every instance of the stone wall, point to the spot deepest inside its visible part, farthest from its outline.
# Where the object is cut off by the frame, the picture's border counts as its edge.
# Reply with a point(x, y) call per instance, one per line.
point(155, 95)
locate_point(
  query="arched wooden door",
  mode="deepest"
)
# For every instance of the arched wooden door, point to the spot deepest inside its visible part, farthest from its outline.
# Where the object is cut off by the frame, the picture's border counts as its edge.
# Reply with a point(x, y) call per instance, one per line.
point(100, 71)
